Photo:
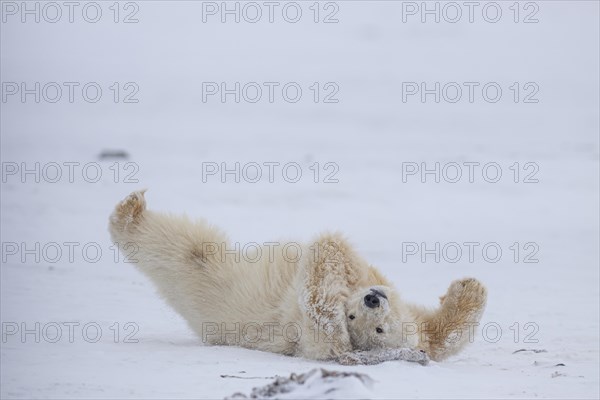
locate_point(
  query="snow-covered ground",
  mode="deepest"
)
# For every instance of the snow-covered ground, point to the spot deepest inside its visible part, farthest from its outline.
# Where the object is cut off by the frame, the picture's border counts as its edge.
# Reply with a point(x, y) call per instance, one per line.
point(370, 61)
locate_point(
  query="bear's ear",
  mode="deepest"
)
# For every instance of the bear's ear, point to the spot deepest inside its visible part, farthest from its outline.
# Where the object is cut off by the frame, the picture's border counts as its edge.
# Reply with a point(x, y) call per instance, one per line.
point(442, 298)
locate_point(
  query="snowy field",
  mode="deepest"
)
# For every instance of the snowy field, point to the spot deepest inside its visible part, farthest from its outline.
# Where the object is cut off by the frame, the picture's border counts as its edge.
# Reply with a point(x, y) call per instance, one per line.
point(518, 95)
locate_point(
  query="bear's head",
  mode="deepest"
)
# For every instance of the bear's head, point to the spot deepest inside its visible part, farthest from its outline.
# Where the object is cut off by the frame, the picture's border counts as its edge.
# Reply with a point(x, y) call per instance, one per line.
point(377, 320)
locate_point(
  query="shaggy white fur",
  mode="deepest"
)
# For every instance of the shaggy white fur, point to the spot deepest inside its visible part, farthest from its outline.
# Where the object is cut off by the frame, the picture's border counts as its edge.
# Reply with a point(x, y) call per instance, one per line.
point(325, 302)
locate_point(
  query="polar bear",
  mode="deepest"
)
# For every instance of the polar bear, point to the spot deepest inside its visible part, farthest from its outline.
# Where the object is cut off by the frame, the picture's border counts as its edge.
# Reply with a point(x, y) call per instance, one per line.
point(323, 302)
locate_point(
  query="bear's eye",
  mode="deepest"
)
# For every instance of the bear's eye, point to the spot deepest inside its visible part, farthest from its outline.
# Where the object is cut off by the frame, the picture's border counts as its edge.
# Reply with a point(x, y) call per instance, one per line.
point(351, 316)
point(379, 330)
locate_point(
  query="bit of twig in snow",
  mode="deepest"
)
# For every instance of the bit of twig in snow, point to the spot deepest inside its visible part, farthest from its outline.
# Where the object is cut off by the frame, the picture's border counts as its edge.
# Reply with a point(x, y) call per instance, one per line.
point(533, 350)
point(248, 377)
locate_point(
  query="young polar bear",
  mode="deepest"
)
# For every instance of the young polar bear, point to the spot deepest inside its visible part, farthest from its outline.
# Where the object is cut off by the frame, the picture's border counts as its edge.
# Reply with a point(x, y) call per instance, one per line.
point(322, 302)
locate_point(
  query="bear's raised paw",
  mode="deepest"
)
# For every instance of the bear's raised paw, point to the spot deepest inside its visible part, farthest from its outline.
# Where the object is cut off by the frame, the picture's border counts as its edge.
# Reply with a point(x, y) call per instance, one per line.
point(129, 210)
point(467, 296)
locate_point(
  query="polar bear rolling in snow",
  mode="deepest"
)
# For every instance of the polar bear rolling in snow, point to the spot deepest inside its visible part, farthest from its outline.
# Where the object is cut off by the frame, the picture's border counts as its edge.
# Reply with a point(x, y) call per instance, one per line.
point(326, 304)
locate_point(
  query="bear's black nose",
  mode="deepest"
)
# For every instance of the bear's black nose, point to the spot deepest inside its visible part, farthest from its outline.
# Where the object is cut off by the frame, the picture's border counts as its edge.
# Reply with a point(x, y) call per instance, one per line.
point(371, 301)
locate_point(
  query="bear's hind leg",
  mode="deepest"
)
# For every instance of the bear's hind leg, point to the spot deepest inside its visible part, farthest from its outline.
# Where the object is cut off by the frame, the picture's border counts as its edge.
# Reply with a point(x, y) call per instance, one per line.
point(177, 254)
point(172, 242)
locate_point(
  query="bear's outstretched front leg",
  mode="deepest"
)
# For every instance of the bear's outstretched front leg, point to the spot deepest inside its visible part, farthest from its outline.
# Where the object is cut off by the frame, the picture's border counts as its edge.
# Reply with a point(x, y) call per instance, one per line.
point(447, 330)
point(331, 270)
